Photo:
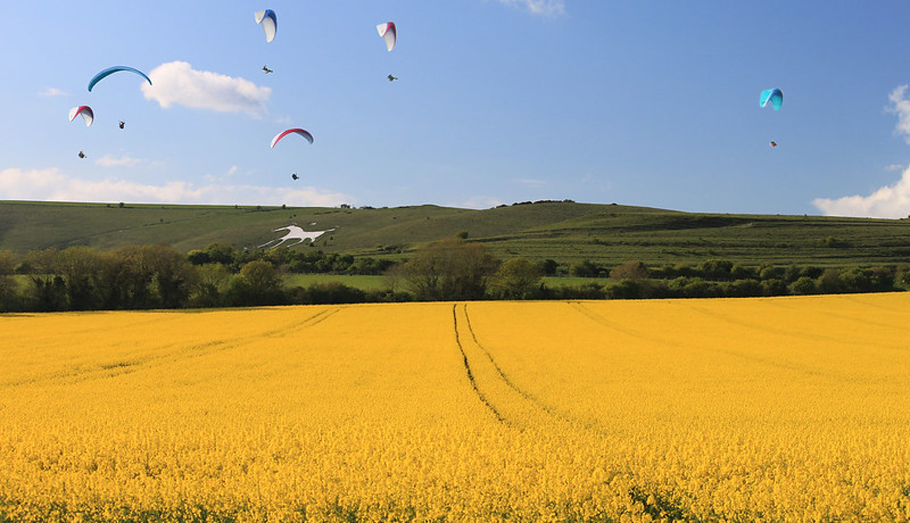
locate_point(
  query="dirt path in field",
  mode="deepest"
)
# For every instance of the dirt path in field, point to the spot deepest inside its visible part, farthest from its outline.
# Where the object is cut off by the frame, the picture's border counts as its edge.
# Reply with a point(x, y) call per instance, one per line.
point(510, 403)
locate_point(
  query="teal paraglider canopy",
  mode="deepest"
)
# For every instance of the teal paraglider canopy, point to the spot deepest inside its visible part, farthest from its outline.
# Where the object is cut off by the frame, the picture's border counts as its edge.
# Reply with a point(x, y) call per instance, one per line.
point(111, 70)
point(775, 96)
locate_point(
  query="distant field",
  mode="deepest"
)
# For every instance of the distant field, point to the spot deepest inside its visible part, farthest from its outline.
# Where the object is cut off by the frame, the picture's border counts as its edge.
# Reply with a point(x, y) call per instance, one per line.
point(563, 231)
point(775, 409)
point(362, 282)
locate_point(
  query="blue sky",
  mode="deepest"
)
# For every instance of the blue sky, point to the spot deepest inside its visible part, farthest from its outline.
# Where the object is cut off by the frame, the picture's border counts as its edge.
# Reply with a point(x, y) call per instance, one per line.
point(651, 103)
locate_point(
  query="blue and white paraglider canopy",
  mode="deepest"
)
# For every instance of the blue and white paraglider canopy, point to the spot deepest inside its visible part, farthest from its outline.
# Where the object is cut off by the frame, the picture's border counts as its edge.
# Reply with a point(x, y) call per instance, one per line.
point(269, 22)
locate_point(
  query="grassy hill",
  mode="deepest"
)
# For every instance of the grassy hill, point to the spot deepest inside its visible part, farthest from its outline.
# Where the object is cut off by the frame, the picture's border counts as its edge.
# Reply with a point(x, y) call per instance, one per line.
point(563, 231)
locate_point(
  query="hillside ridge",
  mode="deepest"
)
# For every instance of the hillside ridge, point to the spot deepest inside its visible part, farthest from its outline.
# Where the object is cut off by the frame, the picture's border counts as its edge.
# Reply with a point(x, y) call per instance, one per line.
point(559, 230)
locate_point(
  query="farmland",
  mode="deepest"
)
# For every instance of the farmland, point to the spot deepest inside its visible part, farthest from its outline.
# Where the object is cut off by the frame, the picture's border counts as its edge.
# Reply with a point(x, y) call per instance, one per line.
point(777, 409)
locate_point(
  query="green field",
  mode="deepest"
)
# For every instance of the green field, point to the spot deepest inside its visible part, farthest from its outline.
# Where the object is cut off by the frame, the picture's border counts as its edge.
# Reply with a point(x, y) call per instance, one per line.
point(562, 231)
point(358, 281)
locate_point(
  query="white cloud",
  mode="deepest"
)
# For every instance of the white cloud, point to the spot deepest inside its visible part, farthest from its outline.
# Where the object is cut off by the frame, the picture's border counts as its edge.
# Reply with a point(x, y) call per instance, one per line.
point(16, 184)
point(52, 91)
point(538, 7)
point(178, 83)
point(124, 161)
point(53, 185)
point(532, 182)
point(891, 201)
point(211, 178)
point(480, 202)
point(901, 106)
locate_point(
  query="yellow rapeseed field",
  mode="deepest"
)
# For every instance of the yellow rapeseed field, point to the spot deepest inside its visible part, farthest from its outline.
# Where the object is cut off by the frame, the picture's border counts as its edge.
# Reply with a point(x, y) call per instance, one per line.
point(781, 409)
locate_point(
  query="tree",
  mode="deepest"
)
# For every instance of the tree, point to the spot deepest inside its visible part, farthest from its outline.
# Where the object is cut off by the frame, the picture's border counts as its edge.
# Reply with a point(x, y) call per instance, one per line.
point(125, 280)
point(7, 263)
point(81, 268)
point(198, 257)
point(803, 285)
point(625, 289)
point(212, 284)
point(548, 267)
point(584, 268)
point(743, 288)
point(716, 269)
point(450, 269)
point(517, 278)
point(333, 292)
point(257, 284)
point(631, 270)
point(830, 281)
point(173, 278)
point(7, 283)
point(394, 275)
point(774, 287)
point(219, 253)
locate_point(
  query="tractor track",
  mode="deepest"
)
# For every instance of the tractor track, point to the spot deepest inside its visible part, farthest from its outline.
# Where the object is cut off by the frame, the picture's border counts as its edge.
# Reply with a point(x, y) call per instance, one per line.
point(770, 362)
point(470, 373)
point(170, 353)
point(523, 393)
point(525, 406)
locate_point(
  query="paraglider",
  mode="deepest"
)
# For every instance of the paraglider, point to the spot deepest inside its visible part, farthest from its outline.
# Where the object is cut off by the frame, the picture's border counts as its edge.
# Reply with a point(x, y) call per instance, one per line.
point(392, 78)
point(772, 143)
point(81, 154)
point(294, 176)
point(301, 132)
point(266, 70)
point(85, 112)
point(775, 96)
point(111, 70)
point(269, 22)
point(388, 33)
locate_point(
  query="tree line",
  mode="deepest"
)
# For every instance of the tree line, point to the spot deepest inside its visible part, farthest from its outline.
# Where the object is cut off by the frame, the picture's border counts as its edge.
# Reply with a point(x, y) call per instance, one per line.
point(161, 277)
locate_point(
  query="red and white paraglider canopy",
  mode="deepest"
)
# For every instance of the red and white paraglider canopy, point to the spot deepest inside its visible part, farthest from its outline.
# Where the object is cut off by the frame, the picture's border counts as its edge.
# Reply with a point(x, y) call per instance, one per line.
point(388, 33)
point(301, 132)
point(84, 111)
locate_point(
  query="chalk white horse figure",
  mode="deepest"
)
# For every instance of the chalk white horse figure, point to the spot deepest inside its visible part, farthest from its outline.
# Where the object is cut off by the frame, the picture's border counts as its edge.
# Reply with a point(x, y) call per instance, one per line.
point(295, 233)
